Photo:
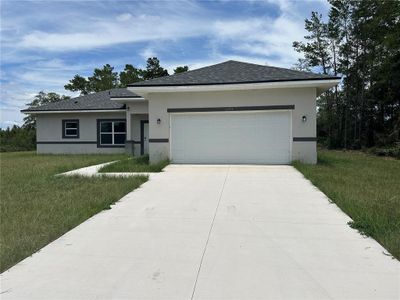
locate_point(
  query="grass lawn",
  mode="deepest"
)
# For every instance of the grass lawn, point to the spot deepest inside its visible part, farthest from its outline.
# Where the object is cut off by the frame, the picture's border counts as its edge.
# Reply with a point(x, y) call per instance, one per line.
point(137, 164)
point(365, 187)
point(37, 207)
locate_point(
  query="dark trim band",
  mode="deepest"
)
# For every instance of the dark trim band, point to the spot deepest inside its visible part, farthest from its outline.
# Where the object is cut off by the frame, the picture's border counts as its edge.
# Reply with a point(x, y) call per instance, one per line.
point(132, 142)
point(158, 140)
point(233, 82)
point(304, 139)
point(232, 108)
point(66, 142)
point(126, 97)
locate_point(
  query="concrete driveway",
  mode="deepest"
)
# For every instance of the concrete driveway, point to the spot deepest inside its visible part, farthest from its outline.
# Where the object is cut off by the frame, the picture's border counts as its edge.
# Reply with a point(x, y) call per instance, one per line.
point(212, 232)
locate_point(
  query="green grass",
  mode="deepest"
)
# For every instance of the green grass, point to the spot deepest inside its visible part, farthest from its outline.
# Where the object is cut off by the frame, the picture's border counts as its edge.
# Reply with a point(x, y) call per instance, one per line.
point(365, 187)
point(136, 164)
point(38, 207)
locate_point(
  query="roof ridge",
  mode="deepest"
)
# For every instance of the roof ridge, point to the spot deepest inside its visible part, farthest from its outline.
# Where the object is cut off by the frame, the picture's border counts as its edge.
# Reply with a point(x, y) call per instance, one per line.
point(183, 73)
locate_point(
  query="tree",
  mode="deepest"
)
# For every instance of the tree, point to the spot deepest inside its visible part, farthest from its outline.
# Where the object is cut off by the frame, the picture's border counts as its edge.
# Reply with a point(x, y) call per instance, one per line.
point(317, 54)
point(40, 99)
point(181, 69)
point(153, 69)
point(130, 75)
point(17, 139)
point(360, 41)
point(315, 51)
point(78, 84)
point(302, 65)
point(103, 79)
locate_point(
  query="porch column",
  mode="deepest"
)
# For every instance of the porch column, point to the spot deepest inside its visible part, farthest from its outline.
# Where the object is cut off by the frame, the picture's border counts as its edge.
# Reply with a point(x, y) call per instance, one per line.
point(128, 125)
point(129, 146)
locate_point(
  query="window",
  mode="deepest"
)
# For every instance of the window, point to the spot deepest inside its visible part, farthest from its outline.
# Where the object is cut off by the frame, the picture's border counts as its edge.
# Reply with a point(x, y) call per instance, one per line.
point(111, 133)
point(70, 129)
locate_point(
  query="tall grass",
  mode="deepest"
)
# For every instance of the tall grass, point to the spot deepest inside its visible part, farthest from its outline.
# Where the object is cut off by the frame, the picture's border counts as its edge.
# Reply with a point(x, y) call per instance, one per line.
point(37, 207)
point(364, 186)
point(136, 164)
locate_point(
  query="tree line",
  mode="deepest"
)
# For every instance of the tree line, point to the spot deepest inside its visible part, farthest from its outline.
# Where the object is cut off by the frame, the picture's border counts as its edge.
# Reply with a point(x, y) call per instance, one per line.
point(360, 41)
point(105, 78)
point(24, 138)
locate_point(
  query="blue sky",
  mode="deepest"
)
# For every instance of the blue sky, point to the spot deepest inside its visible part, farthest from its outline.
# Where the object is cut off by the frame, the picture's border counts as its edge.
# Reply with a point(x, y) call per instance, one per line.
point(45, 43)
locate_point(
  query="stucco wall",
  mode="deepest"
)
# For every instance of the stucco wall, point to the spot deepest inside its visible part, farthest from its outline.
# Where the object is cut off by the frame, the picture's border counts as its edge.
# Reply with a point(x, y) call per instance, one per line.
point(304, 100)
point(49, 129)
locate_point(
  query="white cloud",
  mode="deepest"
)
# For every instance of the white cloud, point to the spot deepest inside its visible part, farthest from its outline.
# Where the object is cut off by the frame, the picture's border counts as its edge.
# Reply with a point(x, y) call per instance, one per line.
point(269, 38)
point(124, 17)
point(127, 27)
point(148, 52)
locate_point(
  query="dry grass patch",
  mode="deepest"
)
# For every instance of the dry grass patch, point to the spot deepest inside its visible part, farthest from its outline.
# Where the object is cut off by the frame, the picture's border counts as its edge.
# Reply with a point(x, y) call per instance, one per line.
point(366, 187)
point(38, 207)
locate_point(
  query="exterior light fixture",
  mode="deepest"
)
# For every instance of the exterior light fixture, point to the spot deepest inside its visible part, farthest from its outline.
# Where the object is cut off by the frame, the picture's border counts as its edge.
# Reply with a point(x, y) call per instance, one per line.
point(158, 121)
point(304, 119)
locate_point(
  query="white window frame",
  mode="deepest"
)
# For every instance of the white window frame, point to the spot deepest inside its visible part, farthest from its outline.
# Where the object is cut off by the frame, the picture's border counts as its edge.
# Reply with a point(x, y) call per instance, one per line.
point(112, 133)
point(64, 125)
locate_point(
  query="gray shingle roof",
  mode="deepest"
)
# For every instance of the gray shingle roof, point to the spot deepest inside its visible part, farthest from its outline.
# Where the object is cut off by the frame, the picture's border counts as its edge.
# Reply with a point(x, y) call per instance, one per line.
point(95, 101)
point(231, 72)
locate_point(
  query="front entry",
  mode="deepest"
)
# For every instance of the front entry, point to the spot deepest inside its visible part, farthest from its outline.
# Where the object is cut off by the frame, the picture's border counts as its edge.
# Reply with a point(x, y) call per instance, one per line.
point(144, 137)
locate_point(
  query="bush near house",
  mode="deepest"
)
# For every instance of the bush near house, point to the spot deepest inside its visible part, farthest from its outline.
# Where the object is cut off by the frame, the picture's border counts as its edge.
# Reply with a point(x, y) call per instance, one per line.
point(17, 139)
point(393, 151)
point(365, 187)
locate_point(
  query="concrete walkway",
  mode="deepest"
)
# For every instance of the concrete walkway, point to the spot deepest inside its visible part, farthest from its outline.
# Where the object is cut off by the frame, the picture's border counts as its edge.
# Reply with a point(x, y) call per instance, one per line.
point(212, 232)
point(94, 171)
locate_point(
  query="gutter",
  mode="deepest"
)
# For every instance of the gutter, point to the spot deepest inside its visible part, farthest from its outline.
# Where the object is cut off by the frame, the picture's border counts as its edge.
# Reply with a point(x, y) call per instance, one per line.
point(61, 111)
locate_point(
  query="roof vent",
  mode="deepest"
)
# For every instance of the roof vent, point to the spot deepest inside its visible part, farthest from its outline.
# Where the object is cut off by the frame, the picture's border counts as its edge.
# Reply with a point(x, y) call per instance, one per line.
point(75, 102)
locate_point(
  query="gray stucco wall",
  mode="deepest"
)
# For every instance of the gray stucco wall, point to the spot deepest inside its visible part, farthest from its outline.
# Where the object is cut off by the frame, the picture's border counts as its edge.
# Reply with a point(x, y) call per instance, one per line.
point(304, 100)
point(49, 133)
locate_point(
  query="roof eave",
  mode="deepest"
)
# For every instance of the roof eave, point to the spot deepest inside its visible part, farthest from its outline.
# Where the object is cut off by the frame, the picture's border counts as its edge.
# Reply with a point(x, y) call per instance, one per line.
point(60, 111)
point(127, 99)
point(320, 84)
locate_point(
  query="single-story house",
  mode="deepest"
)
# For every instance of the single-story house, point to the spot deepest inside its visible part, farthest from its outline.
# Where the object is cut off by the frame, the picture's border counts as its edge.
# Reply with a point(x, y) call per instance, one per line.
point(231, 112)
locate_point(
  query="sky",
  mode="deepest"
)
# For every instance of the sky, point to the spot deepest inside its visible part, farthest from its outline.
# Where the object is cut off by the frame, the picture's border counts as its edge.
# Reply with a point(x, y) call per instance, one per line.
point(45, 43)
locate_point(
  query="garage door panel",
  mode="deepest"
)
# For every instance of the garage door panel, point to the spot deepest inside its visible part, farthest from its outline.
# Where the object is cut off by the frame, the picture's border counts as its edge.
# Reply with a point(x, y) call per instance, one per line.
point(261, 137)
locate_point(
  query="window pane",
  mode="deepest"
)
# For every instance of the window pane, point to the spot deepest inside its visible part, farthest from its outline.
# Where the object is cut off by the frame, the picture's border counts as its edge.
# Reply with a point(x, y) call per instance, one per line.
point(119, 127)
point(119, 139)
point(106, 139)
point(73, 132)
point(106, 126)
point(71, 125)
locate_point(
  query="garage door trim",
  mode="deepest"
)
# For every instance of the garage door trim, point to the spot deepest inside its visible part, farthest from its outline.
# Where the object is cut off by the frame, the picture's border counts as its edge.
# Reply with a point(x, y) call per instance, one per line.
point(290, 111)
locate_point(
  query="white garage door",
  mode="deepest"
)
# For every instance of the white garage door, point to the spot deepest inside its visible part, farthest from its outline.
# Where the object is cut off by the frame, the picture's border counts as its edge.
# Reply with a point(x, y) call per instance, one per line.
point(231, 137)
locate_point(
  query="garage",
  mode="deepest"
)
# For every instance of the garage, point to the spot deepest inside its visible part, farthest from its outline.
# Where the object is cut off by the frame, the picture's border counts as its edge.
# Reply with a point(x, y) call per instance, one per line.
point(251, 137)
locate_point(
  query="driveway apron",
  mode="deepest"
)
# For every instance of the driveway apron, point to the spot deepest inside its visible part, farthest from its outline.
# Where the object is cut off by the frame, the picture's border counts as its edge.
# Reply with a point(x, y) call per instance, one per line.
point(212, 232)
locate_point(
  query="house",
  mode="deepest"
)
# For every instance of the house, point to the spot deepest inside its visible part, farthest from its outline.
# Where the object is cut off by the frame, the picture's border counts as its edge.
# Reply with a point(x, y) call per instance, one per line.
point(232, 112)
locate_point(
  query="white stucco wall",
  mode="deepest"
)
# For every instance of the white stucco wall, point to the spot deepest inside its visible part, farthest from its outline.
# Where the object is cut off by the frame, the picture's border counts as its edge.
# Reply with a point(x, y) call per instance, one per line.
point(49, 129)
point(304, 100)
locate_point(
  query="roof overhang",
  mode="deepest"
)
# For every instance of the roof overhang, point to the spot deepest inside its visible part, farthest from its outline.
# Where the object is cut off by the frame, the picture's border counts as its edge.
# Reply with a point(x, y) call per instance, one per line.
point(321, 86)
point(72, 111)
point(128, 99)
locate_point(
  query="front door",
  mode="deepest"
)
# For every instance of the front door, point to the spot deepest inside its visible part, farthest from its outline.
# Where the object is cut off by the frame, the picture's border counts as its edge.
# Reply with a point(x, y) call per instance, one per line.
point(144, 137)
